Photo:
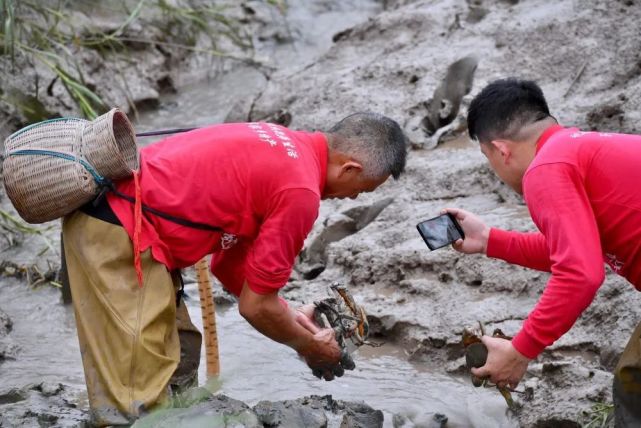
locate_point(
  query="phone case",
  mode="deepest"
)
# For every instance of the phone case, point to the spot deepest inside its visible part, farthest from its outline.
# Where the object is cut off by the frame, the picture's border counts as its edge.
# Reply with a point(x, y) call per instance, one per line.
point(433, 242)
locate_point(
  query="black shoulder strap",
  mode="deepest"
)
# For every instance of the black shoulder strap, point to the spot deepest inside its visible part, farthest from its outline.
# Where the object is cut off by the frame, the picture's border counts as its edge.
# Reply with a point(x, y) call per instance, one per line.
point(181, 221)
point(108, 185)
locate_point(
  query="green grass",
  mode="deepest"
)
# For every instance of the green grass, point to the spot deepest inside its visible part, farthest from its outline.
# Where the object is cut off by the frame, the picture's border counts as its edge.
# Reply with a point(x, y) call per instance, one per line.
point(601, 415)
point(46, 32)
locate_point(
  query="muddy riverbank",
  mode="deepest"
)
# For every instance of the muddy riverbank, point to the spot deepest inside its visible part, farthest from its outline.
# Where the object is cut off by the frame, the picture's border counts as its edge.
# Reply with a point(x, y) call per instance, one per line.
point(390, 58)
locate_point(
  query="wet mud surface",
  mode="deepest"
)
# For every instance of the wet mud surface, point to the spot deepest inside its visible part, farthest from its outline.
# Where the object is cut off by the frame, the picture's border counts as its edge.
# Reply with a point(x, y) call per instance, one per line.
point(396, 59)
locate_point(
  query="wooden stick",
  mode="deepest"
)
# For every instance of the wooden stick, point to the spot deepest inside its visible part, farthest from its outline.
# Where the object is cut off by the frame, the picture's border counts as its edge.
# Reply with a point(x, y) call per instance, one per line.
point(208, 308)
point(576, 78)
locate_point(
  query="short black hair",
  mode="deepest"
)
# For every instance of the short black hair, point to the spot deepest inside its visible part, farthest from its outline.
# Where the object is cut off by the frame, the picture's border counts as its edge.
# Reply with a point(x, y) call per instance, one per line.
point(374, 140)
point(503, 107)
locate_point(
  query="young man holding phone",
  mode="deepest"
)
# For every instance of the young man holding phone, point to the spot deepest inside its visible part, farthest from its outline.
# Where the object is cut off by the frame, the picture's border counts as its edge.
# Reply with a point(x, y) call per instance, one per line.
point(582, 191)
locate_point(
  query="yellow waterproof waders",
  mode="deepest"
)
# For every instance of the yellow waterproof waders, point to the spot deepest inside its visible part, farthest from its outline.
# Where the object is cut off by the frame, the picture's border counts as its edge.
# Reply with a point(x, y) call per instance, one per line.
point(128, 334)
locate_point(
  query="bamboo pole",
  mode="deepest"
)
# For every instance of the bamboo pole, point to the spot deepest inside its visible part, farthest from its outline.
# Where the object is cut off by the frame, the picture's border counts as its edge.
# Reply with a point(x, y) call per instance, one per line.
point(208, 308)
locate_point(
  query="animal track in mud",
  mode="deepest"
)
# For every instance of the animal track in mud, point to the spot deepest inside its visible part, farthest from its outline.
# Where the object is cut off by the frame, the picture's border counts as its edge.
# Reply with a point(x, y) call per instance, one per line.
point(313, 259)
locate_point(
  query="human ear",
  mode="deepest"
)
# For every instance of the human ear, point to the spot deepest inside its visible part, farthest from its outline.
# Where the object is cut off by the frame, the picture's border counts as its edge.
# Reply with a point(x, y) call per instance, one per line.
point(351, 166)
point(502, 147)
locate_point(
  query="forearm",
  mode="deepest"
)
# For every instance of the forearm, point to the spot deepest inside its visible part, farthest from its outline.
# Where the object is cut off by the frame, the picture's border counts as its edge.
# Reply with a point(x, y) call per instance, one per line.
point(268, 315)
point(565, 297)
point(525, 249)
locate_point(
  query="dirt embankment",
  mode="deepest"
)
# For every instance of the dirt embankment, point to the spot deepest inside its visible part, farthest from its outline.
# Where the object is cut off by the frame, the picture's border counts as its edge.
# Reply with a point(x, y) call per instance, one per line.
point(128, 56)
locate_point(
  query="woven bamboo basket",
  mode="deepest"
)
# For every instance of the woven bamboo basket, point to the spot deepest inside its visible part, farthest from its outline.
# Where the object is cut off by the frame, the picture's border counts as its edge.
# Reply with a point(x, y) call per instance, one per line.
point(52, 168)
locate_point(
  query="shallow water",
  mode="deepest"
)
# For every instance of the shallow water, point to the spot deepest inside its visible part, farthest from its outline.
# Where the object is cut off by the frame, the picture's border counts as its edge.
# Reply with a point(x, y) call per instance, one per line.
point(253, 368)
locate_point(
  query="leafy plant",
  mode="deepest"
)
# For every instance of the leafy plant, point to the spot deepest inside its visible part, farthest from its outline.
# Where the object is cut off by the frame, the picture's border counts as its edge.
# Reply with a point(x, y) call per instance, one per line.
point(45, 31)
point(599, 416)
point(16, 229)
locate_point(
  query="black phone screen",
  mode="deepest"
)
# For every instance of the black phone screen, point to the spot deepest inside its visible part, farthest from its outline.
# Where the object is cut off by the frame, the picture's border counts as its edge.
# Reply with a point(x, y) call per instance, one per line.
point(440, 231)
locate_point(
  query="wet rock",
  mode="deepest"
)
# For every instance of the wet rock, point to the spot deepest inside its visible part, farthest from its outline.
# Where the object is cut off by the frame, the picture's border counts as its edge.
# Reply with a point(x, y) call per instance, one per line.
point(42, 405)
point(609, 357)
point(7, 349)
point(447, 97)
point(48, 389)
point(445, 115)
point(222, 411)
point(271, 102)
point(313, 258)
point(12, 396)
point(360, 415)
point(291, 414)
point(240, 111)
point(219, 411)
point(5, 323)
point(606, 117)
point(437, 420)
point(476, 11)
point(317, 411)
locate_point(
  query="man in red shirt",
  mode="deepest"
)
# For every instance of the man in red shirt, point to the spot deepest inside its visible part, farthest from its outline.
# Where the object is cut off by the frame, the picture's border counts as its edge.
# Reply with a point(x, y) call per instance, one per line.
point(582, 191)
point(249, 193)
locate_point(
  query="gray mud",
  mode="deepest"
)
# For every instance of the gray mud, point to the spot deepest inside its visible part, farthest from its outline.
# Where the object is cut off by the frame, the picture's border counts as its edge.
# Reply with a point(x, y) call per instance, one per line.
point(309, 412)
point(586, 55)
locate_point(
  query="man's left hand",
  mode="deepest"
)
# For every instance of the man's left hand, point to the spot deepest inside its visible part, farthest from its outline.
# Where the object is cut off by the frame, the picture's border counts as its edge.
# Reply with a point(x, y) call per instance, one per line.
point(505, 366)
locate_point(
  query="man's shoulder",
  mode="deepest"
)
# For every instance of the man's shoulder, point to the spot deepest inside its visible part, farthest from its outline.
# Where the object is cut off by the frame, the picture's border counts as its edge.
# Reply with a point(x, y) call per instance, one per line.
point(562, 147)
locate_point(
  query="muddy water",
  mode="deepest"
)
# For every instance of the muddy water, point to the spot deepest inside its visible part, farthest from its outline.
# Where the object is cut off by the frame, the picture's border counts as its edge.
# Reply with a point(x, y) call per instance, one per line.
point(44, 331)
point(253, 368)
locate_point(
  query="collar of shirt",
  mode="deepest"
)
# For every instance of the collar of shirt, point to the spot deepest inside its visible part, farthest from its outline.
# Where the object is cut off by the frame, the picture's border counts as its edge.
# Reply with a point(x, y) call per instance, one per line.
point(553, 129)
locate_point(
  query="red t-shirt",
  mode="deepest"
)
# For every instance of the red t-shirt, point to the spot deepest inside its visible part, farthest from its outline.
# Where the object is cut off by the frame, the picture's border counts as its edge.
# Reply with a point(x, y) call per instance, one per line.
point(583, 191)
point(261, 183)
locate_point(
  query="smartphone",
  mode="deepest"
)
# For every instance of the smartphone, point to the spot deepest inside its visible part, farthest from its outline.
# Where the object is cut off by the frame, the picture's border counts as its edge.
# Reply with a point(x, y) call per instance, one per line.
point(440, 231)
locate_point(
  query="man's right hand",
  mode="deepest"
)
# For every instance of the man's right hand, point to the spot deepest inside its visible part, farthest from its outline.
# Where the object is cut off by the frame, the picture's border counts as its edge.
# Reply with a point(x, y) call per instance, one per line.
point(323, 354)
point(475, 230)
point(269, 316)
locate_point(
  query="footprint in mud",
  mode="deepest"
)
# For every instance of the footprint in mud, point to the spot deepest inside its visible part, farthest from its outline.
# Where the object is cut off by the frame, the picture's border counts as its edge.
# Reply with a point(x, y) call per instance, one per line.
point(433, 119)
point(313, 258)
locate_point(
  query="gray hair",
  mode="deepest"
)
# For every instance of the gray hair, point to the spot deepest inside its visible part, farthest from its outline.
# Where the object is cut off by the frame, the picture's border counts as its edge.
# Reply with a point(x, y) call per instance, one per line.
point(376, 141)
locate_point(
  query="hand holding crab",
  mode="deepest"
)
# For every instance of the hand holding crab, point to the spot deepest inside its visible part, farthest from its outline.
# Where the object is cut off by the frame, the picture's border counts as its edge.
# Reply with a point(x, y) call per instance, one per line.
point(344, 320)
point(494, 358)
point(324, 354)
point(505, 366)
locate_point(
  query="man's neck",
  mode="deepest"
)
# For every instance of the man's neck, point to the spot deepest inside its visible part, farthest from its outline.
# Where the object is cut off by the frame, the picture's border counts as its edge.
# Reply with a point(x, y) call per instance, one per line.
point(530, 134)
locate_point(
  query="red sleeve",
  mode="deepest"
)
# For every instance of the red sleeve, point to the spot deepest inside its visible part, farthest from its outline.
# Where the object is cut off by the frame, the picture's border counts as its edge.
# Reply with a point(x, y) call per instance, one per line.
point(271, 257)
point(560, 208)
point(524, 249)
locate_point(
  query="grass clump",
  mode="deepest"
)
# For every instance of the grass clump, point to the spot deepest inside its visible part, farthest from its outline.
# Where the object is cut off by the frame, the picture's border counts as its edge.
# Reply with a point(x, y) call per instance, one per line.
point(601, 415)
point(49, 33)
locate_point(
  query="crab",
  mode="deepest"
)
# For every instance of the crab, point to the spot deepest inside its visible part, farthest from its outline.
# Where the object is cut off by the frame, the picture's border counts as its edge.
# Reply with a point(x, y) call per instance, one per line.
point(476, 356)
point(348, 320)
